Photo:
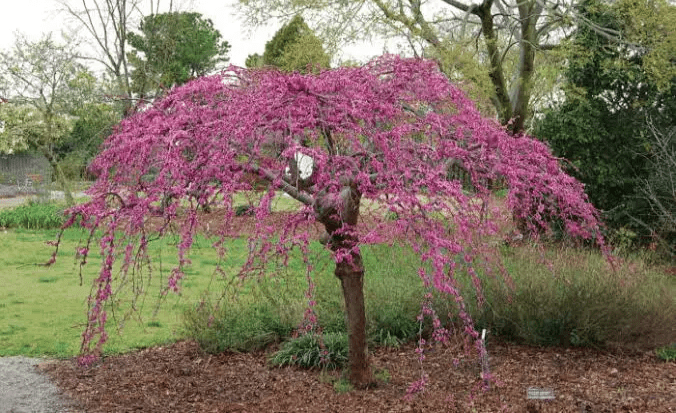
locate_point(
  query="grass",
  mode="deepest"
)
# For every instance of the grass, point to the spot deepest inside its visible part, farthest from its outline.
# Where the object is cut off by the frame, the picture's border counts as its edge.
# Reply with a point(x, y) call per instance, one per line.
point(326, 351)
point(270, 309)
point(667, 353)
point(581, 300)
point(33, 215)
point(43, 308)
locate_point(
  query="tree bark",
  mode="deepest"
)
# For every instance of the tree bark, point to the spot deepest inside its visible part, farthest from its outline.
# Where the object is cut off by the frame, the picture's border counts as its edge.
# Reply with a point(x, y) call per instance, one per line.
point(351, 277)
point(496, 74)
point(529, 12)
point(336, 215)
point(60, 177)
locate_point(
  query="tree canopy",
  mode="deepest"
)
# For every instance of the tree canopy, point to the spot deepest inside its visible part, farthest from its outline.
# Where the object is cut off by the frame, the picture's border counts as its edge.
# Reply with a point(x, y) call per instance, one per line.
point(507, 40)
point(172, 48)
point(381, 139)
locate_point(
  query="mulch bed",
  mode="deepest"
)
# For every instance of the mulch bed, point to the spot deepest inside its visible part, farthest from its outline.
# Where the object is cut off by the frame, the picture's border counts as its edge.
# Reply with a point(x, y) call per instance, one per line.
point(182, 378)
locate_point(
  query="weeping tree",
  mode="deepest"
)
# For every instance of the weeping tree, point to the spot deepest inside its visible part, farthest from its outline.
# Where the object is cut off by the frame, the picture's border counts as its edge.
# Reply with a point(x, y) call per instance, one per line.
point(373, 142)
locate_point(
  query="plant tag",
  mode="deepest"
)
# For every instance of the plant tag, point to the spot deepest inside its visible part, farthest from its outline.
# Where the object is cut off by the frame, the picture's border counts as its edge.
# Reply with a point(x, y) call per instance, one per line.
point(535, 393)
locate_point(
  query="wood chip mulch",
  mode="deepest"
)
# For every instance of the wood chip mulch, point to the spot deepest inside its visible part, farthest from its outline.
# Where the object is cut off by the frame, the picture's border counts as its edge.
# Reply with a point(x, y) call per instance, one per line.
point(182, 378)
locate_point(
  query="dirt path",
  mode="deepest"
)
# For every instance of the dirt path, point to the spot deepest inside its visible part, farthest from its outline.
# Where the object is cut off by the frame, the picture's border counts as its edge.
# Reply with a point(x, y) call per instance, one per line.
point(23, 389)
point(11, 202)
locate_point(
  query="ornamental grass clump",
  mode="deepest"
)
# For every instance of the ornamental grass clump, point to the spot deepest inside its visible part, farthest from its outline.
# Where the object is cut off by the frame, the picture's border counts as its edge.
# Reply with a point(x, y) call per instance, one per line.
point(35, 215)
point(321, 351)
point(580, 300)
point(237, 326)
point(384, 134)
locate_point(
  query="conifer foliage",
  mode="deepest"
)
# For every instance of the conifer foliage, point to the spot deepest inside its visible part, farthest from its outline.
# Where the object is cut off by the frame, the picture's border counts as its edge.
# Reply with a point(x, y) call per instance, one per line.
point(381, 138)
point(294, 47)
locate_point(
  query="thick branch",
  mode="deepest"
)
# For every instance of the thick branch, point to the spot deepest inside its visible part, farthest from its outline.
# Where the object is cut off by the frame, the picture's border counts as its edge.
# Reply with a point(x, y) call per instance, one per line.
point(464, 7)
point(529, 13)
point(495, 72)
point(289, 189)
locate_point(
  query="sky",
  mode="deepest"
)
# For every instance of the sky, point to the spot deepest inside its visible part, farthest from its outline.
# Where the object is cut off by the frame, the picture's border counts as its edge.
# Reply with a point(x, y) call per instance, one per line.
point(34, 17)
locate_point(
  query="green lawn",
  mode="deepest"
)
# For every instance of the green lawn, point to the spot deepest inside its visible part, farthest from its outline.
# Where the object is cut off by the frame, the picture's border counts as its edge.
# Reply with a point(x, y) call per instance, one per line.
point(42, 309)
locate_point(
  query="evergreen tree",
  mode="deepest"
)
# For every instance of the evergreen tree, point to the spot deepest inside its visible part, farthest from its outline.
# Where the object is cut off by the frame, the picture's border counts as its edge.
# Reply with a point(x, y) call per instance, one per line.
point(293, 48)
point(600, 127)
point(175, 47)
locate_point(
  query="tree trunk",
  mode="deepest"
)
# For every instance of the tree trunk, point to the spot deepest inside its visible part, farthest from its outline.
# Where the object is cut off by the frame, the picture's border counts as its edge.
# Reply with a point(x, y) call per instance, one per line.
point(496, 71)
point(336, 215)
point(60, 177)
point(529, 13)
point(351, 277)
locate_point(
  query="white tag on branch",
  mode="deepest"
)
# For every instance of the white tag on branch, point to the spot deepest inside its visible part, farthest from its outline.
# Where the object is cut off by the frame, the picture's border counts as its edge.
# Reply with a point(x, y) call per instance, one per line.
point(304, 163)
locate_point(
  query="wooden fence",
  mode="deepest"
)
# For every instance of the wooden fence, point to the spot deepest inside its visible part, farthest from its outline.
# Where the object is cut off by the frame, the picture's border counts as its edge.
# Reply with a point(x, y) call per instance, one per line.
point(24, 169)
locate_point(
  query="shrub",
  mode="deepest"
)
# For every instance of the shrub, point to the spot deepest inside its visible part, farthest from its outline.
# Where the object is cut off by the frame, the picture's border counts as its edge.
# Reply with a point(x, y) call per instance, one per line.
point(392, 293)
point(237, 326)
point(582, 302)
point(659, 191)
point(327, 351)
point(74, 166)
point(35, 215)
point(667, 353)
point(270, 309)
point(244, 210)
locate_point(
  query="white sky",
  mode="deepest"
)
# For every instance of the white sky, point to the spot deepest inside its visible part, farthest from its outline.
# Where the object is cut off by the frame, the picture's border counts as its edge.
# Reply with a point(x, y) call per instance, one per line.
point(34, 17)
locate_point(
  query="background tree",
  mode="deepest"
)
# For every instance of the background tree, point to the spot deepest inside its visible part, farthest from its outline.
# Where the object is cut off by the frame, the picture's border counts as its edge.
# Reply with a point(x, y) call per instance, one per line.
point(650, 25)
point(107, 24)
point(506, 35)
point(172, 48)
point(19, 125)
point(39, 74)
point(600, 126)
point(293, 47)
point(254, 60)
point(381, 139)
point(93, 123)
point(659, 188)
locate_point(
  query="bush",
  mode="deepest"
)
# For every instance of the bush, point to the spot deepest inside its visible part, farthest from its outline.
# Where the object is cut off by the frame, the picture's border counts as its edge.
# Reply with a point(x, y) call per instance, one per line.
point(390, 313)
point(244, 210)
point(269, 310)
point(583, 302)
point(667, 353)
point(237, 326)
point(327, 351)
point(659, 191)
point(74, 166)
point(35, 215)
point(392, 292)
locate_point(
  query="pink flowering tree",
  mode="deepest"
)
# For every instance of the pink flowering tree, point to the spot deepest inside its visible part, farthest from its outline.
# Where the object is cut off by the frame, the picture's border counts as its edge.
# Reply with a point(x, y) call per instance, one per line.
point(380, 141)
